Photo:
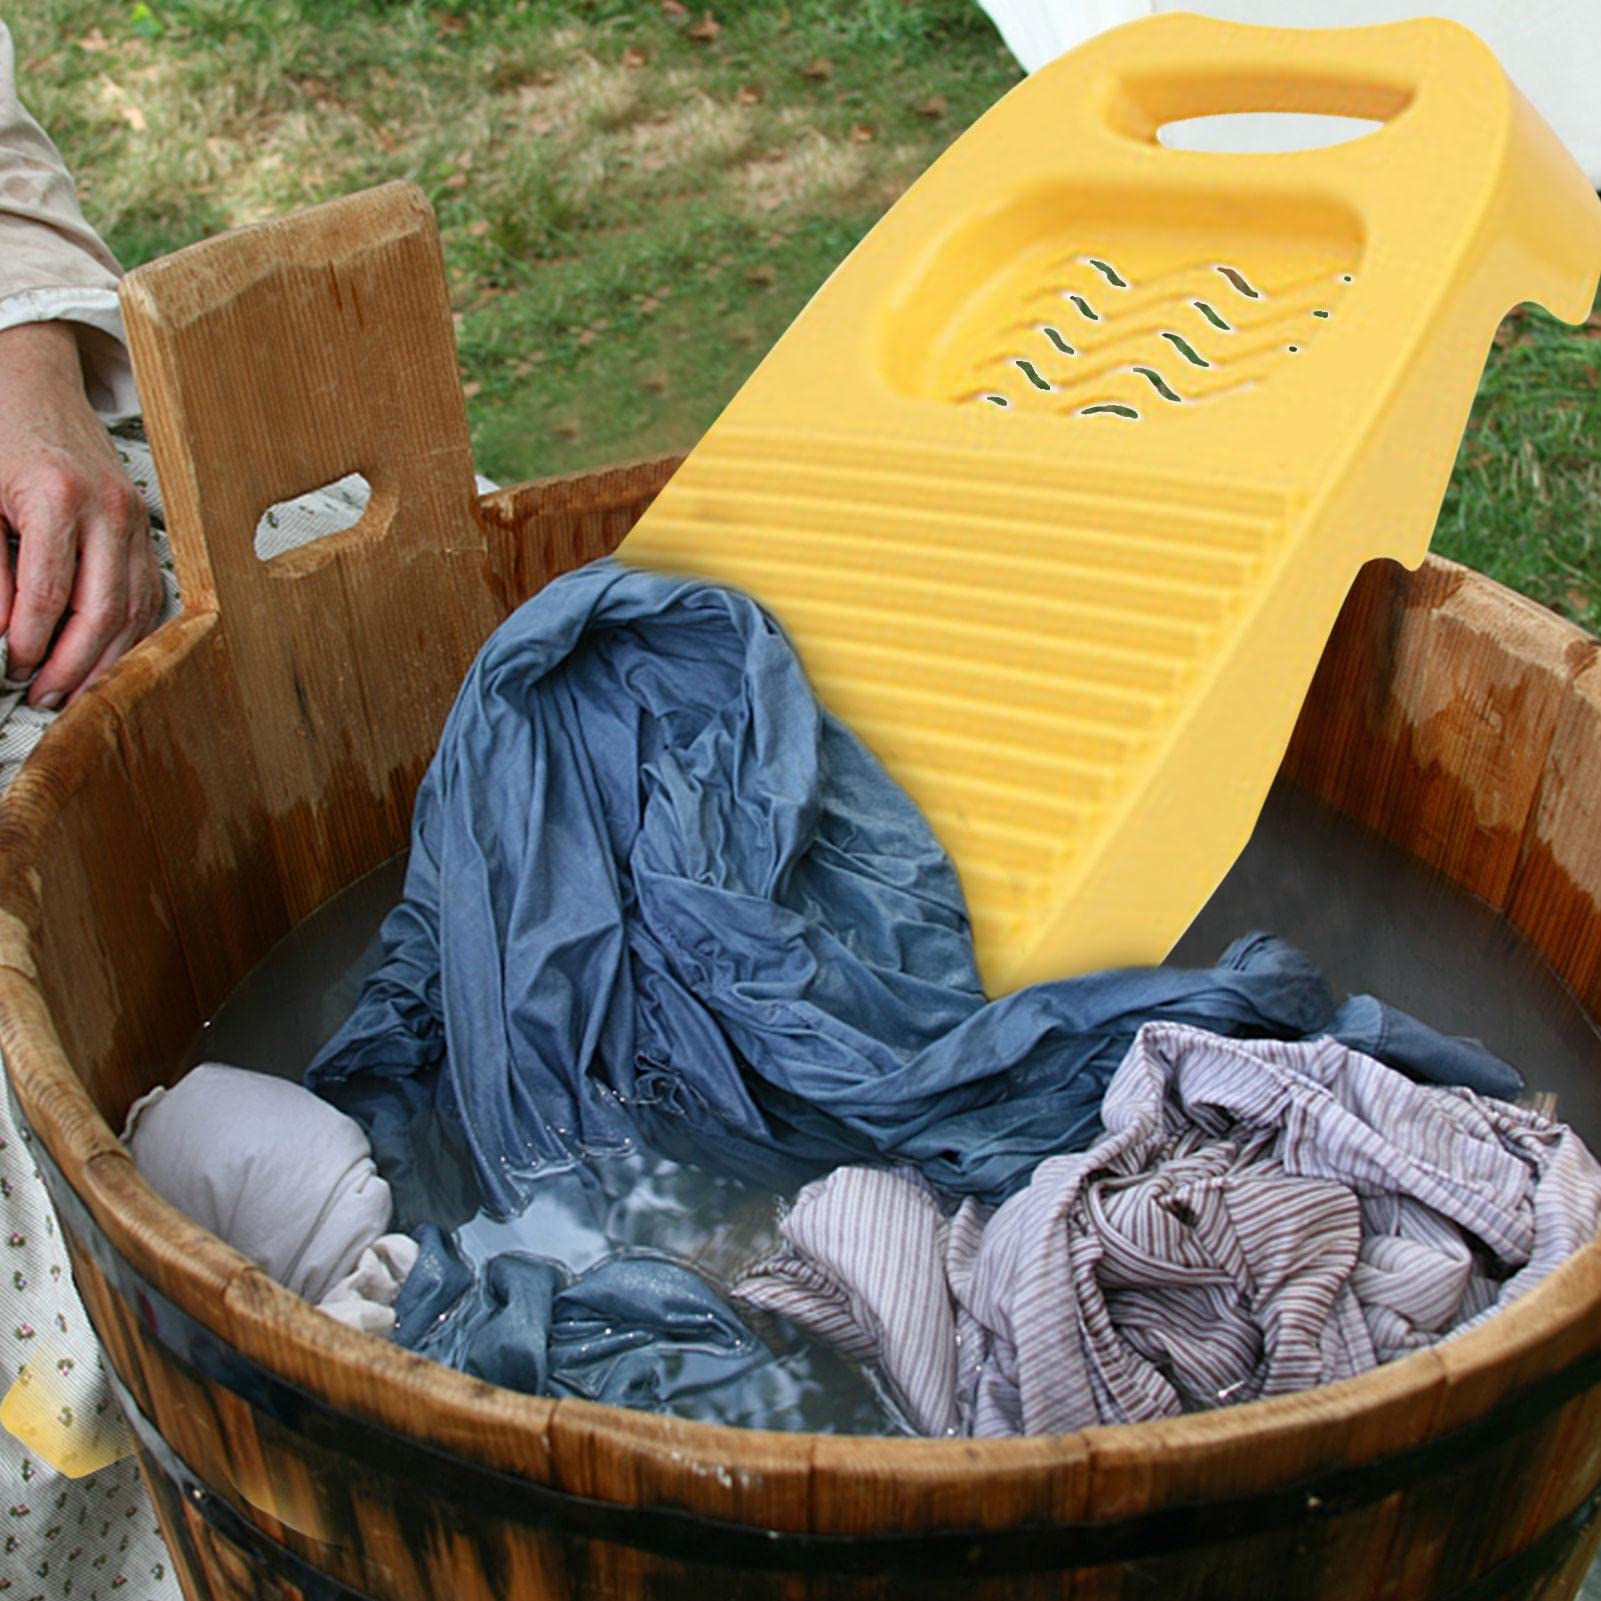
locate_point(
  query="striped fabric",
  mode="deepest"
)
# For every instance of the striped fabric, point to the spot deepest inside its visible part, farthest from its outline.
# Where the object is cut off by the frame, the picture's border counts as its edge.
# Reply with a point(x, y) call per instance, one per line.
point(1258, 1217)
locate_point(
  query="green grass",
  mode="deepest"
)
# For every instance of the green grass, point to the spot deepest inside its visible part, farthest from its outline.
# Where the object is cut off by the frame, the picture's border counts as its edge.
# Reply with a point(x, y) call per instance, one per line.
point(632, 215)
point(1525, 500)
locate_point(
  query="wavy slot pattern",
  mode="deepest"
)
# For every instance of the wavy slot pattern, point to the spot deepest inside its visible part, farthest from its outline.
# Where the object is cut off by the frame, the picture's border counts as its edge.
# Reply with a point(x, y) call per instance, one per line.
point(1093, 342)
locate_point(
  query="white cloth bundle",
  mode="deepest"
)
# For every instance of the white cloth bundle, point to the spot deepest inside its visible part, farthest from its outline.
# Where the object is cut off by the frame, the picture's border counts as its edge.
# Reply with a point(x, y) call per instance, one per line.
point(281, 1176)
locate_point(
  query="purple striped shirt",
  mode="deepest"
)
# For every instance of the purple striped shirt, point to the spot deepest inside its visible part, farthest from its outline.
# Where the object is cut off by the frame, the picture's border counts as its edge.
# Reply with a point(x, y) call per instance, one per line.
point(1259, 1217)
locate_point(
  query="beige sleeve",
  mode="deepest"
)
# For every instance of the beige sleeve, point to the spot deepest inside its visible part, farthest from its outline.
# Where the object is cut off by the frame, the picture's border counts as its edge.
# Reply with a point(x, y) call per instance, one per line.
point(45, 243)
point(53, 265)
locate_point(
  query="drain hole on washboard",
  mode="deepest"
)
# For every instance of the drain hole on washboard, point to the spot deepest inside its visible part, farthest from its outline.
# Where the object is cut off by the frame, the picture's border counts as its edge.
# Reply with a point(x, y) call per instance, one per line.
point(1185, 349)
point(1158, 383)
point(1241, 282)
point(1032, 373)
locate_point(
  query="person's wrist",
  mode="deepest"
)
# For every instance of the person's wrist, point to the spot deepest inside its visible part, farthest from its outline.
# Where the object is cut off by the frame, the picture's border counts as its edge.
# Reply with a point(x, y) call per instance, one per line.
point(37, 356)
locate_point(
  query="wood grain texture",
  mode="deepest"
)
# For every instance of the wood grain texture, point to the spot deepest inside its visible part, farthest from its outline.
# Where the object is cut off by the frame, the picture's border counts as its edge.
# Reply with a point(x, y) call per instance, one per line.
point(536, 531)
point(1433, 712)
point(76, 818)
point(188, 757)
point(251, 759)
point(1556, 891)
point(272, 361)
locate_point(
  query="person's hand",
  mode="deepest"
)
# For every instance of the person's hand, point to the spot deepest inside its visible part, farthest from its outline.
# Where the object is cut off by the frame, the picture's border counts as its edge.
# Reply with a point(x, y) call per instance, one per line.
point(85, 565)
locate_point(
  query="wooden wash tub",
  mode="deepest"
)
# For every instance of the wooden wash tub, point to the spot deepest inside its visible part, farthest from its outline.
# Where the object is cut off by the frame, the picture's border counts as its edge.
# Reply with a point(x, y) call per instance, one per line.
point(261, 752)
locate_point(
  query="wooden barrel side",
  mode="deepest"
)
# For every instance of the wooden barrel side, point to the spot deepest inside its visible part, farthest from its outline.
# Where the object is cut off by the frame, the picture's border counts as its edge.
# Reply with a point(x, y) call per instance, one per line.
point(271, 1504)
point(1463, 722)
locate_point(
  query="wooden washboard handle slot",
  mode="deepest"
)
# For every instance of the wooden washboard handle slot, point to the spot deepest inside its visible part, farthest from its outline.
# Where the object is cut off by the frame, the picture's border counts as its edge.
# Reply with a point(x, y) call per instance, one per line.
point(274, 360)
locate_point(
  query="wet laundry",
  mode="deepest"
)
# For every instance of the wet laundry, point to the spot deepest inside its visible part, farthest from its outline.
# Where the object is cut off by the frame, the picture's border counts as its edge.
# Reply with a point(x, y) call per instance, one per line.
point(634, 1331)
point(661, 908)
point(1257, 1218)
point(289, 1181)
point(656, 893)
point(284, 1178)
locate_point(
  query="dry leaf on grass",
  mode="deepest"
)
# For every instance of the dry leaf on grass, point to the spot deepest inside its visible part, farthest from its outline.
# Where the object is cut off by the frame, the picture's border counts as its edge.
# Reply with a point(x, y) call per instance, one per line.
point(565, 427)
point(471, 390)
point(861, 134)
point(706, 30)
point(113, 94)
point(933, 108)
point(746, 96)
point(457, 180)
point(656, 381)
point(819, 71)
point(634, 57)
point(674, 8)
point(764, 273)
point(95, 42)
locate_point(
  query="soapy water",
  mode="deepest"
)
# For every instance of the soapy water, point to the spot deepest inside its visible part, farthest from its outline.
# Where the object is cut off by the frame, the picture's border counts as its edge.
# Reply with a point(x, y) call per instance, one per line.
point(640, 1204)
point(614, 1203)
point(1375, 919)
point(1380, 922)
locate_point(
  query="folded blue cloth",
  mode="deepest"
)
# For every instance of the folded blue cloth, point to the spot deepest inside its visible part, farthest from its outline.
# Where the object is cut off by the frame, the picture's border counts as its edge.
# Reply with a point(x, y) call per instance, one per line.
point(656, 892)
point(634, 1331)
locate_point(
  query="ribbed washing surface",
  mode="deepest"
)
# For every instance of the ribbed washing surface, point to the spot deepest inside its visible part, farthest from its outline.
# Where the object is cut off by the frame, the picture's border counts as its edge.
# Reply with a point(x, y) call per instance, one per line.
point(1014, 666)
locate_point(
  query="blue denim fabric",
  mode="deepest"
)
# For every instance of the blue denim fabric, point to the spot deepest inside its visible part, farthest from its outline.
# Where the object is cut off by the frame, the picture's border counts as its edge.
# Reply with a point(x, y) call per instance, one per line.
point(655, 891)
point(633, 1331)
point(1378, 1029)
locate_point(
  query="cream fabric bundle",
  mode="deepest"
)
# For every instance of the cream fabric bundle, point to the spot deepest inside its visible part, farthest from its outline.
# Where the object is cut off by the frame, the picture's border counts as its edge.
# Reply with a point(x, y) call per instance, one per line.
point(281, 1176)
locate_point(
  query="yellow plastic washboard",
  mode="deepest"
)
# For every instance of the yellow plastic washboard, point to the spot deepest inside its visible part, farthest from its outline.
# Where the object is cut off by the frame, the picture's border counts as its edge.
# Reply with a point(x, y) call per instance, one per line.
point(1059, 481)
